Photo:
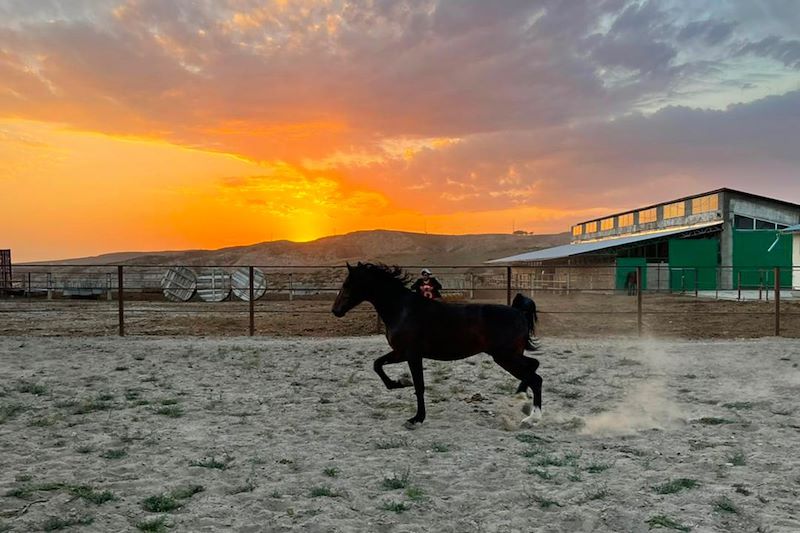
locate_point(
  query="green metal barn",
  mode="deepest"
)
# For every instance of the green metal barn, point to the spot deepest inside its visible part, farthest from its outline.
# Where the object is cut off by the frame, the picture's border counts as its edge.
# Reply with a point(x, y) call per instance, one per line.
point(720, 239)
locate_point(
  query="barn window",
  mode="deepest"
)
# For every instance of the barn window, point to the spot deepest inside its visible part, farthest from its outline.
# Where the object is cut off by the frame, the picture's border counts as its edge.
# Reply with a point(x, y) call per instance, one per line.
point(742, 222)
point(591, 227)
point(675, 210)
point(577, 230)
point(625, 220)
point(607, 224)
point(648, 215)
point(763, 224)
point(705, 204)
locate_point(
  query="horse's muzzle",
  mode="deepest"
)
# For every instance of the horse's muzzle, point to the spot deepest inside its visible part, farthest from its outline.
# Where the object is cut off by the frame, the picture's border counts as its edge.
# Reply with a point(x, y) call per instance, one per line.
point(337, 312)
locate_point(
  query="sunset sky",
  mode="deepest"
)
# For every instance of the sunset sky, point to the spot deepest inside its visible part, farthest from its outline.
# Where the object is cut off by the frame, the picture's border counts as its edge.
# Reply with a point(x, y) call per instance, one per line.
point(153, 125)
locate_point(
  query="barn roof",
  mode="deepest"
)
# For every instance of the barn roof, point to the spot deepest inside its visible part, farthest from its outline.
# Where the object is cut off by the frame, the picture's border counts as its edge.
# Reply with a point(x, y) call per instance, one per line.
point(569, 250)
point(791, 229)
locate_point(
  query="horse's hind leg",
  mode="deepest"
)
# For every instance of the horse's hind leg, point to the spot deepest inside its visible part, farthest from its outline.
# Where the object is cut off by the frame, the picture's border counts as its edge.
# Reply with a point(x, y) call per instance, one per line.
point(389, 359)
point(524, 369)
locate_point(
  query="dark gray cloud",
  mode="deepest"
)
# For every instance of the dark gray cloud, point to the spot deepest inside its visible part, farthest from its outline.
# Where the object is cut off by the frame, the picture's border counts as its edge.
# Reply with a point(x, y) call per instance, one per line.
point(785, 51)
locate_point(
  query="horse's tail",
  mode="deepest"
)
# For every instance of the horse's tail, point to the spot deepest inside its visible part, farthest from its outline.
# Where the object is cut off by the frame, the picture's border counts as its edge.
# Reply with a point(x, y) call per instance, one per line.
point(528, 308)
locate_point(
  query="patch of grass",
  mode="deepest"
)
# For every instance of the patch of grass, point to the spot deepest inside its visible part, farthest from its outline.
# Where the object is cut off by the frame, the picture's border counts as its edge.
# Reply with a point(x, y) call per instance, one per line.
point(388, 444)
point(55, 523)
point(31, 388)
point(160, 503)
point(675, 485)
point(545, 503)
point(187, 491)
point(132, 394)
point(741, 489)
point(9, 411)
point(440, 447)
point(543, 474)
point(154, 525)
point(169, 401)
point(331, 471)
point(725, 505)
point(27, 490)
point(166, 502)
point(738, 405)
point(172, 411)
point(714, 421)
point(625, 361)
point(596, 468)
point(738, 459)
point(90, 405)
point(396, 507)
point(212, 462)
point(395, 482)
point(568, 459)
point(85, 492)
point(323, 491)
point(575, 476)
point(114, 453)
point(21, 478)
point(43, 421)
point(666, 522)
point(414, 493)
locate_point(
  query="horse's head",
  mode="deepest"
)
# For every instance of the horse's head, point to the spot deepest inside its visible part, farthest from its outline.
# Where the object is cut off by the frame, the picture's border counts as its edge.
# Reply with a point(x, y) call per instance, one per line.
point(352, 292)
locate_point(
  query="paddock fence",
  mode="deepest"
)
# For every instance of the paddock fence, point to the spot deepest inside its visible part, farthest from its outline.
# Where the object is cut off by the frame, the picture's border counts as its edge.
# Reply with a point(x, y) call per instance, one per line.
point(295, 300)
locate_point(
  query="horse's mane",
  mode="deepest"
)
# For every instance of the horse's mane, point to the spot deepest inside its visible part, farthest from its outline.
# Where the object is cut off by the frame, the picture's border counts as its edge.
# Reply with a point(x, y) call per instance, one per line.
point(391, 274)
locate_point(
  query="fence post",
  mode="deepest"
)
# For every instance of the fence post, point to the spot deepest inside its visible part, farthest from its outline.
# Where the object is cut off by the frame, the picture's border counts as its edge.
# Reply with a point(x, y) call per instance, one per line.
point(777, 301)
point(508, 285)
point(739, 284)
point(49, 285)
point(291, 287)
point(29, 284)
point(121, 300)
point(696, 282)
point(252, 304)
point(639, 300)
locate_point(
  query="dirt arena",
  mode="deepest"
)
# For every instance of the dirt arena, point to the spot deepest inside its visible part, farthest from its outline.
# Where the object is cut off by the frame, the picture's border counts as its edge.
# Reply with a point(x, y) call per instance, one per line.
point(270, 434)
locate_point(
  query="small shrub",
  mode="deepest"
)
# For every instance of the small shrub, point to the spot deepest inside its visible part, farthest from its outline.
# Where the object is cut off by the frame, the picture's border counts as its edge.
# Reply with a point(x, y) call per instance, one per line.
point(725, 505)
point(31, 388)
point(414, 493)
point(172, 411)
point(675, 485)
point(323, 491)
point(161, 503)
point(331, 471)
point(543, 474)
point(154, 525)
point(666, 522)
point(117, 453)
point(596, 468)
point(440, 447)
point(396, 507)
point(738, 459)
point(87, 493)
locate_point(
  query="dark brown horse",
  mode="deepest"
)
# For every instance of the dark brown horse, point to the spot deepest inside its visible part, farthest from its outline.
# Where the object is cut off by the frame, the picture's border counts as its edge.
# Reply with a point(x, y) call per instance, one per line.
point(418, 328)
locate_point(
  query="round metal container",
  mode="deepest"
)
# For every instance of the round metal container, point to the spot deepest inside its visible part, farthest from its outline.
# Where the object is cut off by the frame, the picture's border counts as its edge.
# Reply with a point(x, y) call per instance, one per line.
point(179, 284)
point(213, 285)
point(240, 280)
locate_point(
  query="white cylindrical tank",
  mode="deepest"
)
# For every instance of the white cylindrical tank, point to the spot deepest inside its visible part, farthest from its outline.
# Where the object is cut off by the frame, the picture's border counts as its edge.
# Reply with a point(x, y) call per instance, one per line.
point(213, 285)
point(179, 284)
point(240, 280)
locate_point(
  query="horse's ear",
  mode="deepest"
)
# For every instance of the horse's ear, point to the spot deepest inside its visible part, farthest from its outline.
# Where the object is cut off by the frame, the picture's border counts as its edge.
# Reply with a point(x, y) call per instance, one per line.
point(349, 268)
point(360, 264)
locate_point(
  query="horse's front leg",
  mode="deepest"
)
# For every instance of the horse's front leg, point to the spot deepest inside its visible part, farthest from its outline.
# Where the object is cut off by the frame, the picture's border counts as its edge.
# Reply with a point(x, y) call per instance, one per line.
point(390, 359)
point(415, 365)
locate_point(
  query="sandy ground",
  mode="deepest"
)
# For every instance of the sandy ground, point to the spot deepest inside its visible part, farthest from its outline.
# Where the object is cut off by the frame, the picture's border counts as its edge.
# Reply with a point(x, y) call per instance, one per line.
point(299, 434)
point(576, 315)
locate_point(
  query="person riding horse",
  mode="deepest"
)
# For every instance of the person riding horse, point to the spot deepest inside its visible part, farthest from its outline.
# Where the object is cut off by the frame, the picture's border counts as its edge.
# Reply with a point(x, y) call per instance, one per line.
point(427, 285)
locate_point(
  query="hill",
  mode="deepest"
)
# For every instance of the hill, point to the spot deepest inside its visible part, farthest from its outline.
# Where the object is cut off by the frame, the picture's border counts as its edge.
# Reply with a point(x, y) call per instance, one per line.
point(390, 247)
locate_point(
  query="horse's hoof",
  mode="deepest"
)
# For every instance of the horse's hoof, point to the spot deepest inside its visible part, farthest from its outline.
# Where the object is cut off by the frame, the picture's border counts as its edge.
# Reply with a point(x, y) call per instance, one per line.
point(526, 409)
point(533, 418)
point(412, 424)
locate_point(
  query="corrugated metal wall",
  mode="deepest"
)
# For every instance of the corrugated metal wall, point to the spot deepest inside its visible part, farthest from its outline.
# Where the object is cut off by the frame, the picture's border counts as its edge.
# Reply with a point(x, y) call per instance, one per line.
point(755, 263)
point(692, 264)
